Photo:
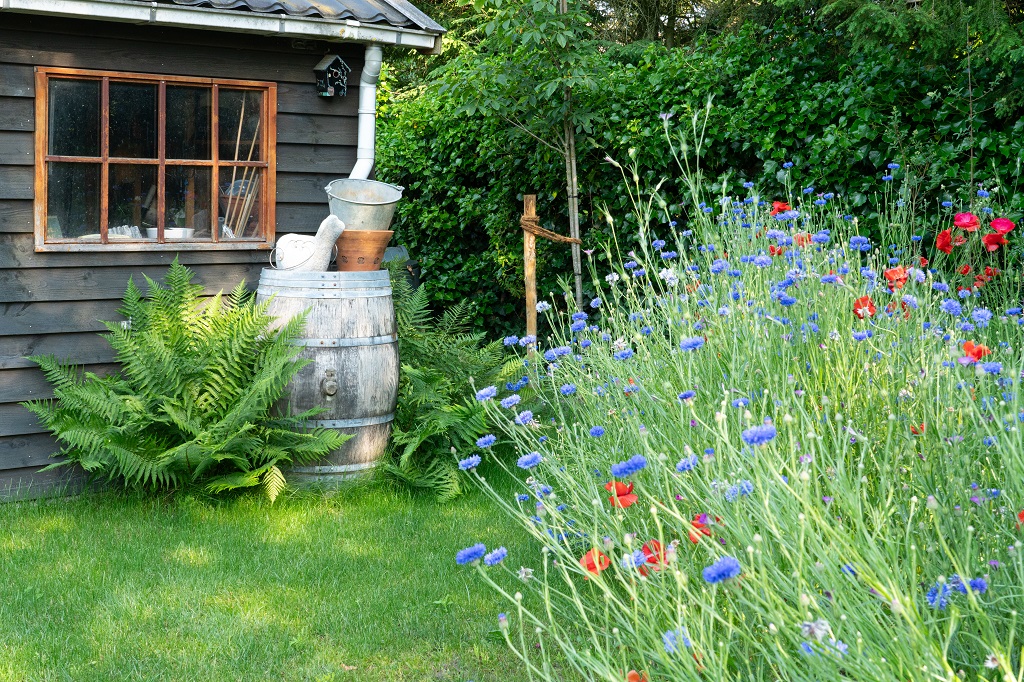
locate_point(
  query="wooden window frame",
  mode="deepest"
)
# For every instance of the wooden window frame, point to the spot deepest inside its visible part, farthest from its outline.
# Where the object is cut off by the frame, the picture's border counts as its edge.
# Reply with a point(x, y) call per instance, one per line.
point(268, 150)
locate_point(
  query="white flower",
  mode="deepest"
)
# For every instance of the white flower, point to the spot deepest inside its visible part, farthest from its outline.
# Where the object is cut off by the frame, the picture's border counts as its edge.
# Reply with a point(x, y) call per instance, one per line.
point(525, 573)
point(816, 629)
point(612, 278)
point(543, 306)
point(992, 661)
point(669, 276)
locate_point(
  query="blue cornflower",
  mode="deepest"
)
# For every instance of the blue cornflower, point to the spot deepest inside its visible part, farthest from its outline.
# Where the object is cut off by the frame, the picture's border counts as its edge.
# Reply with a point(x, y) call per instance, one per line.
point(578, 326)
point(983, 194)
point(511, 401)
point(762, 261)
point(510, 340)
point(893, 166)
point(596, 303)
point(522, 497)
point(550, 356)
point(646, 331)
point(543, 306)
point(658, 244)
point(862, 335)
point(567, 389)
point(529, 460)
point(668, 255)
point(786, 300)
point(740, 402)
point(623, 354)
point(471, 462)
point(940, 286)
point(495, 557)
point(759, 435)
point(938, 596)
point(982, 316)
point(674, 640)
point(596, 431)
point(747, 185)
point(634, 560)
point(725, 568)
point(486, 441)
point(950, 306)
point(829, 279)
point(1014, 311)
point(691, 343)
point(576, 317)
point(687, 395)
point(629, 265)
point(633, 317)
point(916, 238)
point(979, 585)
point(585, 343)
point(992, 367)
point(910, 301)
point(820, 237)
point(486, 393)
point(524, 418)
point(989, 440)
point(687, 464)
point(629, 467)
point(718, 266)
point(788, 164)
point(808, 190)
point(886, 178)
point(947, 204)
point(470, 554)
point(746, 488)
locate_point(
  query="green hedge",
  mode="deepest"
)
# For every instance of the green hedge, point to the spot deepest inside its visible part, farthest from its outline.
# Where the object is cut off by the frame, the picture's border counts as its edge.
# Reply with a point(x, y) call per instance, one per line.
point(787, 93)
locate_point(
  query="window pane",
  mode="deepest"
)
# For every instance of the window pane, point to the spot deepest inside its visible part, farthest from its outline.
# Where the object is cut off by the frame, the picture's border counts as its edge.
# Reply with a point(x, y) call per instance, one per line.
point(74, 117)
point(188, 201)
point(73, 200)
point(240, 203)
point(240, 126)
point(188, 122)
point(132, 201)
point(133, 120)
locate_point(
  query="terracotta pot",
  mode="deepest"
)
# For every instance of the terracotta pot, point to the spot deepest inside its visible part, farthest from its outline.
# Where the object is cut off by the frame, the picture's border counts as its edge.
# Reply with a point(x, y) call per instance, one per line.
point(360, 250)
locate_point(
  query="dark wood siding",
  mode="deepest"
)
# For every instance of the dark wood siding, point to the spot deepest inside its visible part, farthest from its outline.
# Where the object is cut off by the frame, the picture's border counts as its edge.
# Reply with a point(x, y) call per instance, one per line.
point(52, 302)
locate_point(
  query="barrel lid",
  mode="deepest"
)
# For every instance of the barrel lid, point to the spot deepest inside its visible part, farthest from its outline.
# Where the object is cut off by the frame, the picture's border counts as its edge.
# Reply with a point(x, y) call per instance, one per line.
point(341, 280)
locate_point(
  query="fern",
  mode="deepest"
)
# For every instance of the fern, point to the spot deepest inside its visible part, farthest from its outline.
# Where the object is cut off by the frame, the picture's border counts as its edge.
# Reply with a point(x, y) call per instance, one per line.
point(192, 404)
point(440, 360)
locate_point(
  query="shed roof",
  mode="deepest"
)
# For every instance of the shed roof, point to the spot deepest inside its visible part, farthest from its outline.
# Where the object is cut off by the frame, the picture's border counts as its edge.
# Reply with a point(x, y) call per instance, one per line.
point(397, 13)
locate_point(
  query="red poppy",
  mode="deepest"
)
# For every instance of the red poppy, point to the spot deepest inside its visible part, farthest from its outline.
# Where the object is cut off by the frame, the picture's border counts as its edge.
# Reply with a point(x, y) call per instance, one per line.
point(864, 307)
point(622, 494)
point(776, 250)
point(897, 277)
point(1002, 225)
point(699, 526)
point(964, 269)
point(917, 430)
point(990, 271)
point(803, 239)
point(1020, 518)
point(924, 262)
point(891, 308)
point(993, 241)
point(655, 555)
point(975, 351)
point(634, 676)
point(779, 207)
point(966, 221)
point(944, 241)
point(595, 561)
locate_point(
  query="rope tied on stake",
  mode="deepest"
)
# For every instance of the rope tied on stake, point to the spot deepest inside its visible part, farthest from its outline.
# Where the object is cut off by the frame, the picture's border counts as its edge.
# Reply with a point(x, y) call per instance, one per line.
point(532, 225)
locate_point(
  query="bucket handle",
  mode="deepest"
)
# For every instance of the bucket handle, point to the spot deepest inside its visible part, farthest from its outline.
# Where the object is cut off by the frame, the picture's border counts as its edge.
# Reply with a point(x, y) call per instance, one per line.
point(334, 256)
point(398, 187)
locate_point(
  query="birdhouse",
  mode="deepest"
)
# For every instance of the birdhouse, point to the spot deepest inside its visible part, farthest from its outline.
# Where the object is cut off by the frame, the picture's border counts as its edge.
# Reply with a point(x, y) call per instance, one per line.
point(332, 76)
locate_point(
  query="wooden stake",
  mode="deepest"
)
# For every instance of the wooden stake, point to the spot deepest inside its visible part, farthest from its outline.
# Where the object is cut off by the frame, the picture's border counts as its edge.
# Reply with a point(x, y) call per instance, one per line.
point(530, 265)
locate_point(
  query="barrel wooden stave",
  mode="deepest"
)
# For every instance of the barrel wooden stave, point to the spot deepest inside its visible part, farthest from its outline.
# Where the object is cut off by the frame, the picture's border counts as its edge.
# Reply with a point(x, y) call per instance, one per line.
point(350, 331)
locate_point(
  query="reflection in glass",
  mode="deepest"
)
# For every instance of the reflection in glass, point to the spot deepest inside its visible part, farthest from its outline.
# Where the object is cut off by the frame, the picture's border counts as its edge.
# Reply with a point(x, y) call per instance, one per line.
point(132, 201)
point(188, 201)
point(74, 117)
point(73, 200)
point(133, 120)
point(240, 126)
point(240, 203)
point(188, 122)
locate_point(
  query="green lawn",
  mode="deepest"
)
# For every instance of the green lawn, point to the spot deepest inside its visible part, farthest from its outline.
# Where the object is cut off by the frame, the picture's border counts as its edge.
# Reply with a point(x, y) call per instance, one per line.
point(356, 585)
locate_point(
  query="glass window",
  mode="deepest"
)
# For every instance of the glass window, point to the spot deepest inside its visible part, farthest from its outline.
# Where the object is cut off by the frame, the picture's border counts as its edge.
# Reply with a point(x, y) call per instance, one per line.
point(161, 161)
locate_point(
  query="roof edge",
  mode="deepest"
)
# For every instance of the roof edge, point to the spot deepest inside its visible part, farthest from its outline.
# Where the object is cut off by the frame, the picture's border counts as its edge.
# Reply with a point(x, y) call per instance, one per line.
point(233, 21)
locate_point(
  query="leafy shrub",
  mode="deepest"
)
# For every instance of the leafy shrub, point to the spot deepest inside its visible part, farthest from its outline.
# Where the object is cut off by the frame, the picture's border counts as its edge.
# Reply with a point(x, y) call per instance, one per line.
point(192, 403)
point(794, 92)
point(775, 449)
point(440, 359)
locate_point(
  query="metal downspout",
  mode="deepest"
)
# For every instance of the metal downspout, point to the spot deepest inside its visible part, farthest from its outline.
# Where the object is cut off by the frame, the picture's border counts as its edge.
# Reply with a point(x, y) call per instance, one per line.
point(366, 140)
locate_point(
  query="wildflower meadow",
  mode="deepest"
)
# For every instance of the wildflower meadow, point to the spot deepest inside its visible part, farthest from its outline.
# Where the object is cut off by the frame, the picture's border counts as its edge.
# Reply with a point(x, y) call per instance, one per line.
point(772, 447)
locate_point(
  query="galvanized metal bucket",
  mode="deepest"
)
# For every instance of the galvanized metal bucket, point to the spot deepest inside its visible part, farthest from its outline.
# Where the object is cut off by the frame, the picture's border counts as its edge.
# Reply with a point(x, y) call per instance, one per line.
point(363, 204)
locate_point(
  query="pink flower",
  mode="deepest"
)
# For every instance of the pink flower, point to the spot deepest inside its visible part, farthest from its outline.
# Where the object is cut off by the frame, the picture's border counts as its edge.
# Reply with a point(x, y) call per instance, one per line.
point(1002, 225)
point(966, 221)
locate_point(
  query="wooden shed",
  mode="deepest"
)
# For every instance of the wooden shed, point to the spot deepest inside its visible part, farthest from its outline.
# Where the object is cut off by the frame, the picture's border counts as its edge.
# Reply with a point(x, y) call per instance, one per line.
point(135, 132)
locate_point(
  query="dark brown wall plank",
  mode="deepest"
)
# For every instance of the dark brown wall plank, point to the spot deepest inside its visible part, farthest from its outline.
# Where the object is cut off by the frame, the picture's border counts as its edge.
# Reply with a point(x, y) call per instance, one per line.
point(307, 158)
point(16, 113)
point(18, 251)
point(86, 348)
point(301, 98)
point(301, 218)
point(16, 81)
point(15, 216)
point(310, 129)
point(27, 450)
point(29, 483)
point(30, 384)
point(17, 182)
point(88, 284)
point(15, 420)
point(56, 317)
point(303, 188)
point(17, 148)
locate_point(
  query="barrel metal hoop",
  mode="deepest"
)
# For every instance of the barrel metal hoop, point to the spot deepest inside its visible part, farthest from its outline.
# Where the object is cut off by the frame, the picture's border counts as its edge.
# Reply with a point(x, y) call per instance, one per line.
point(334, 469)
point(348, 423)
point(352, 286)
point(343, 343)
point(326, 293)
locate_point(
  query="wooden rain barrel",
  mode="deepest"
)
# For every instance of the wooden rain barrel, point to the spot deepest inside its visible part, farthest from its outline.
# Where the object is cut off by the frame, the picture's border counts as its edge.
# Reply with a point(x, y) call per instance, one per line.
point(351, 337)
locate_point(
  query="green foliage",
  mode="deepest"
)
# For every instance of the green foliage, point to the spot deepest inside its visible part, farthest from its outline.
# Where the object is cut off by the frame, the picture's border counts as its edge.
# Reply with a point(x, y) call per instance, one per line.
point(440, 362)
point(192, 402)
point(799, 92)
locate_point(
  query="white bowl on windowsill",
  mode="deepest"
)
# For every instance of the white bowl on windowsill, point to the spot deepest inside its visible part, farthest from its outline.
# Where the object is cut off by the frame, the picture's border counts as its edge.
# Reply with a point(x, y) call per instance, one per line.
point(172, 232)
